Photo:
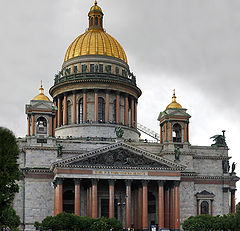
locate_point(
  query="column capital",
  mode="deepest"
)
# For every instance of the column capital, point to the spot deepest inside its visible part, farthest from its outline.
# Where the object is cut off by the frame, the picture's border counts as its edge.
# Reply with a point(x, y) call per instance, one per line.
point(117, 92)
point(77, 181)
point(96, 90)
point(128, 182)
point(59, 181)
point(84, 90)
point(107, 91)
point(74, 92)
point(65, 94)
point(233, 190)
point(145, 182)
point(111, 182)
point(176, 183)
point(161, 182)
point(94, 181)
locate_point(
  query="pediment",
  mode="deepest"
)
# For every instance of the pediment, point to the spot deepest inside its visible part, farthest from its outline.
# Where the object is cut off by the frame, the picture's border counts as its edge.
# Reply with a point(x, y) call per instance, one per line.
point(119, 156)
point(42, 105)
point(178, 112)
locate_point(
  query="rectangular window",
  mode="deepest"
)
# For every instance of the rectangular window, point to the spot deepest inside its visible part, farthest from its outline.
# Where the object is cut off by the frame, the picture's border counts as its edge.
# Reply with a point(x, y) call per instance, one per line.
point(75, 69)
point(101, 68)
point(108, 68)
point(84, 68)
point(117, 70)
point(91, 68)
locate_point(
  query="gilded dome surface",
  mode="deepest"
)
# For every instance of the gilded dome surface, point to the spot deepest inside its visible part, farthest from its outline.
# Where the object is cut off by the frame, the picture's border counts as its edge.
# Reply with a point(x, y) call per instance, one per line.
point(95, 41)
point(174, 103)
point(41, 95)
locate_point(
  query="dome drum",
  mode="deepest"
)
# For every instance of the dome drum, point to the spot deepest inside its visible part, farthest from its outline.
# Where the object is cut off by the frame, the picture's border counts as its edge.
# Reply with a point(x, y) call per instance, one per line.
point(96, 132)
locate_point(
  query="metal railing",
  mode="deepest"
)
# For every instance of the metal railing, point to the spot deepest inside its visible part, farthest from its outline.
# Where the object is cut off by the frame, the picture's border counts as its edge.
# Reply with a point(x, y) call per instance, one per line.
point(148, 131)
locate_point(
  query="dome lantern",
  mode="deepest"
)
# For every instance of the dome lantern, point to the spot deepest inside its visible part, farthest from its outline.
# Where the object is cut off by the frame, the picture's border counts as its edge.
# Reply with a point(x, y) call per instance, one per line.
point(95, 17)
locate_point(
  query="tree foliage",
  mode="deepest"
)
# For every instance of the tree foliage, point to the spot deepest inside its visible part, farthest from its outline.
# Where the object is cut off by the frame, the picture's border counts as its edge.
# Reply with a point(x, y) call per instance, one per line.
point(9, 169)
point(67, 221)
point(9, 218)
point(229, 222)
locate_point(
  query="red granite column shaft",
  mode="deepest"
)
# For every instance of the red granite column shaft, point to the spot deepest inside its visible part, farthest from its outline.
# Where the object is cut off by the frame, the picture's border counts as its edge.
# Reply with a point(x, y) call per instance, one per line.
point(233, 209)
point(185, 132)
point(126, 110)
point(170, 131)
point(117, 107)
point(135, 113)
point(54, 126)
point(145, 207)
point(29, 124)
point(55, 118)
point(74, 108)
point(84, 106)
point(33, 125)
point(77, 198)
point(50, 126)
point(59, 112)
point(132, 112)
point(59, 196)
point(128, 204)
point(107, 107)
point(172, 213)
point(90, 201)
point(65, 112)
point(96, 107)
point(87, 203)
point(166, 208)
point(176, 206)
point(135, 215)
point(55, 199)
point(160, 205)
point(140, 196)
point(94, 199)
point(166, 137)
point(111, 198)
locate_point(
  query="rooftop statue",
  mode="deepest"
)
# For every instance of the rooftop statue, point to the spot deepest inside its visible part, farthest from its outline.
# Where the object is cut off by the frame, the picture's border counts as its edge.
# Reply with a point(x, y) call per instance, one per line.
point(220, 140)
point(119, 132)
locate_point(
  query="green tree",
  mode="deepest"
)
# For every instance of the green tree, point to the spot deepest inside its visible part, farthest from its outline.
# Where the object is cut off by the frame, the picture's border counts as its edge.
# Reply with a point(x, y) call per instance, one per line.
point(9, 169)
point(10, 218)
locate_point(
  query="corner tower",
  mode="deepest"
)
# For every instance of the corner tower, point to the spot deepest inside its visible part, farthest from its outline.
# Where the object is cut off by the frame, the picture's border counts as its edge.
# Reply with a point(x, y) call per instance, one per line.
point(95, 92)
point(174, 125)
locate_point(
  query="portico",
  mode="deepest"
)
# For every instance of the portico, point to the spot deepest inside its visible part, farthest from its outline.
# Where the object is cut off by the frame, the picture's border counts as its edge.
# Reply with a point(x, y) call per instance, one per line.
point(137, 195)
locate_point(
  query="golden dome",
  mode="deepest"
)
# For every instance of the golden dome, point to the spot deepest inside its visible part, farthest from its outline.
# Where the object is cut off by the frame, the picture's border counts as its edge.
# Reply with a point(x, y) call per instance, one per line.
point(95, 41)
point(41, 95)
point(174, 103)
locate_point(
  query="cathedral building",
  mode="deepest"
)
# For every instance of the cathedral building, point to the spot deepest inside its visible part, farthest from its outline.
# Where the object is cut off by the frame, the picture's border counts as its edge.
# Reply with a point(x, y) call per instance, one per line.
point(82, 153)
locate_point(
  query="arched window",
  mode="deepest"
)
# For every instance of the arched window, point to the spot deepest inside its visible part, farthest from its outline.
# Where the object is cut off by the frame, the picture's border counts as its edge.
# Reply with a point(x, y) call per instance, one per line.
point(41, 125)
point(177, 133)
point(204, 207)
point(69, 112)
point(92, 21)
point(101, 110)
point(114, 111)
point(96, 21)
point(80, 111)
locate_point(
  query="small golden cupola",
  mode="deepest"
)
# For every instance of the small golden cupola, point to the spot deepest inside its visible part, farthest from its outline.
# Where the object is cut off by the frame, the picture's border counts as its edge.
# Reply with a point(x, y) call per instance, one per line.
point(41, 95)
point(95, 17)
point(174, 103)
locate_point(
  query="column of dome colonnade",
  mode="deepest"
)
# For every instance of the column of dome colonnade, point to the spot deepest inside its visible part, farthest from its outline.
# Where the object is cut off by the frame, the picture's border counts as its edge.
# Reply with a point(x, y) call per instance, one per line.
point(136, 201)
point(111, 116)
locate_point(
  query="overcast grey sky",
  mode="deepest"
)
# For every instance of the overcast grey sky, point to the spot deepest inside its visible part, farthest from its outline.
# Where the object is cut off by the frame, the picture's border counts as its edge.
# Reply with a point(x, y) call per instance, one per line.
point(190, 45)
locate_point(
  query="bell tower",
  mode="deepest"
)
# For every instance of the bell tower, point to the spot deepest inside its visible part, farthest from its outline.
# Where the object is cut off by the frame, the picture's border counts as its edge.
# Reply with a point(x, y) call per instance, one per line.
point(174, 125)
point(41, 116)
